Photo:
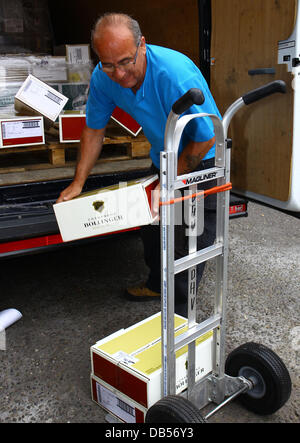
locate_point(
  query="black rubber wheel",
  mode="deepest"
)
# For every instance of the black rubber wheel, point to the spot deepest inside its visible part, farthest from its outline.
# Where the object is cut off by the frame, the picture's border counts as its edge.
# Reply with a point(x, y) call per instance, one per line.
point(272, 383)
point(174, 409)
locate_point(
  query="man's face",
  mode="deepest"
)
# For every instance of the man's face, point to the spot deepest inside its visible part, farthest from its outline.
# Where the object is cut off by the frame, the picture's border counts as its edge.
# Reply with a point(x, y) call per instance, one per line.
point(116, 45)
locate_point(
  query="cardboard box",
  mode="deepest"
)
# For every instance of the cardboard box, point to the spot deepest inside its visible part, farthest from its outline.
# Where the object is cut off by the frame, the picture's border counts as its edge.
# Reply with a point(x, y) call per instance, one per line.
point(77, 93)
point(71, 127)
point(110, 209)
point(126, 121)
point(116, 403)
point(21, 131)
point(78, 54)
point(40, 97)
point(49, 69)
point(79, 63)
point(130, 360)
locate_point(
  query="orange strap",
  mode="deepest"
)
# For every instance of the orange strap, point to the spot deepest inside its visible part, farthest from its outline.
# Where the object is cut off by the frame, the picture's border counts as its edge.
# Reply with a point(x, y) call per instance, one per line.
point(205, 193)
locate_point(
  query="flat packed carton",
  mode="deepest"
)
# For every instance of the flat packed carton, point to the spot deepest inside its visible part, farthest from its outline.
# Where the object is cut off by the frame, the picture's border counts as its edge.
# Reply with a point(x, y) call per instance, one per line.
point(38, 97)
point(110, 209)
point(129, 360)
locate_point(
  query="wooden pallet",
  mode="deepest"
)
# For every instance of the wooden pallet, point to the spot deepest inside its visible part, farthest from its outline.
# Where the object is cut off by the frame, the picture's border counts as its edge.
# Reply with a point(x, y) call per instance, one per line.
point(116, 147)
point(129, 147)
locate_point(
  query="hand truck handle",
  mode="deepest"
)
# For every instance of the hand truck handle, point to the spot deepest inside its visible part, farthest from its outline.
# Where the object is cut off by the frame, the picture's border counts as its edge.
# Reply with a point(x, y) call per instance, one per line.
point(194, 96)
point(264, 91)
point(251, 97)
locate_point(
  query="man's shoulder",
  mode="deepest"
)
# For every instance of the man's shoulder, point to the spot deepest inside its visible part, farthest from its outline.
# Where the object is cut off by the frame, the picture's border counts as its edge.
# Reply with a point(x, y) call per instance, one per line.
point(165, 53)
point(170, 62)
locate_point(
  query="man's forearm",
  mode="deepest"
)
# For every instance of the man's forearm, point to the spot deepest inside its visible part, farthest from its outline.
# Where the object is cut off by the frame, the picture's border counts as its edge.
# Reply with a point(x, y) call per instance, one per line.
point(90, 148)
point(192, 155)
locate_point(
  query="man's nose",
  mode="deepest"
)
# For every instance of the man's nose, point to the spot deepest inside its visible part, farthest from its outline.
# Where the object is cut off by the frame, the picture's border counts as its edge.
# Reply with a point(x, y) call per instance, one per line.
point(118, 73)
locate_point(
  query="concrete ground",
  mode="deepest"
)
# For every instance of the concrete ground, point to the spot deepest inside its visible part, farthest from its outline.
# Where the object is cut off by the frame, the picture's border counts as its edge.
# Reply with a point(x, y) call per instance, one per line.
point(72, 297)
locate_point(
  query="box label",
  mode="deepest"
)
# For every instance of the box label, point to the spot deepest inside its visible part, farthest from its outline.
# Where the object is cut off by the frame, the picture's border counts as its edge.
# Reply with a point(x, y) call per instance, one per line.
point(21, 129)
point(78, 54)
point(125, 358)
point(21, 132)
point(124, 410)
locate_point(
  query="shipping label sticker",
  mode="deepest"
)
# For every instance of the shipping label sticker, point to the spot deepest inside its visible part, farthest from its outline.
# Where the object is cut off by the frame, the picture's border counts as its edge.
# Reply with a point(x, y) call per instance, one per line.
point(125, 358)
point(21, 129)
point(124, 410)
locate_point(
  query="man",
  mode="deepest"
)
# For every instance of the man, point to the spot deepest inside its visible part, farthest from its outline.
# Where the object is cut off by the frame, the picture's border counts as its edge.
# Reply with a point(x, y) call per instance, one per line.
point(145, 80)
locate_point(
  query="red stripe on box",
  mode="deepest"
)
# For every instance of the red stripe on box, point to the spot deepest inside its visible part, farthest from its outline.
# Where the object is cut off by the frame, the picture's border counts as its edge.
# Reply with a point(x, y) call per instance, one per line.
point(139, 416)
point(105, 370)
point(72, 127)
point(126, 120)
point(149, 190)
point(132, 386)
point(22, 141)
point(120, 379)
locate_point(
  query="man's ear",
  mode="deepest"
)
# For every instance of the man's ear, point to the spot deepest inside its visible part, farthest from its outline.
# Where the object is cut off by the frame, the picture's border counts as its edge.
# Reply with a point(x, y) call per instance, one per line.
point(143, 44)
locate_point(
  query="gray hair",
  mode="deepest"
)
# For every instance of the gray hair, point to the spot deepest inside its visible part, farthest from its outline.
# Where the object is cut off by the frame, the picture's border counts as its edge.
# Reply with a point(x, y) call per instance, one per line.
point(116, 19)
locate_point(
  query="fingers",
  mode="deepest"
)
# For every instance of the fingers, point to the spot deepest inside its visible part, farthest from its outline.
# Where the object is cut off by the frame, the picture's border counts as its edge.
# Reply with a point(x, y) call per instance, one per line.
point(70, 192)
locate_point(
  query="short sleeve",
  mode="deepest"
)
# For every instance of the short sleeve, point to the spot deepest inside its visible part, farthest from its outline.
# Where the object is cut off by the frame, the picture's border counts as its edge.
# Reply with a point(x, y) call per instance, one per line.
point(99, 106)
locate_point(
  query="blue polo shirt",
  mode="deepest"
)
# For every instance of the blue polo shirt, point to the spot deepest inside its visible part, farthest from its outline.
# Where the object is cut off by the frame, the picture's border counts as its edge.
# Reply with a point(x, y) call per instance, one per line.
point(169, 75)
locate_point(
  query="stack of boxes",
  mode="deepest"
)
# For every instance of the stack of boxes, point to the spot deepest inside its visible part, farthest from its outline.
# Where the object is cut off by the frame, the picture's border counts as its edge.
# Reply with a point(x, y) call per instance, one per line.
point(126, 376)
point(40, 86)
point(61, 81)
point(26, 42)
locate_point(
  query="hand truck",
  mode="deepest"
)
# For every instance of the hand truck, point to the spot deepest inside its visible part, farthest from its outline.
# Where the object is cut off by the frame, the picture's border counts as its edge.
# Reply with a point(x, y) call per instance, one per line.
point(252, 369)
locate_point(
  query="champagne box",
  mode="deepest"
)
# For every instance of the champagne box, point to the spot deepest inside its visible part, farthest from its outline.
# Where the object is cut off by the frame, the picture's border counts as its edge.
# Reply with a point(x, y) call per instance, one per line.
point(111, 209)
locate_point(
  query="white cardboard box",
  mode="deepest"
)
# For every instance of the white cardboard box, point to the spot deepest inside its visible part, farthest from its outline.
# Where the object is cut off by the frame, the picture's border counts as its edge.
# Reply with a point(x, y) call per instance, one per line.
point(21, 131)
point(116, 403)
point(40, 97)
point(78, 54)
point(49, 69)
point(130, 360)
point(111, 209)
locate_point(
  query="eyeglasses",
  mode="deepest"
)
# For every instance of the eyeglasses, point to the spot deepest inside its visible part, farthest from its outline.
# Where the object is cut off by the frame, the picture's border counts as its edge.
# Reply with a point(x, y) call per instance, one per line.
point(123, 65)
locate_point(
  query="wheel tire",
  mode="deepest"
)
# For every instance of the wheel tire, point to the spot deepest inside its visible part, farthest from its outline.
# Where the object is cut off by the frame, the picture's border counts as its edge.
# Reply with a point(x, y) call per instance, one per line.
point(174, 409)
point(272, 383)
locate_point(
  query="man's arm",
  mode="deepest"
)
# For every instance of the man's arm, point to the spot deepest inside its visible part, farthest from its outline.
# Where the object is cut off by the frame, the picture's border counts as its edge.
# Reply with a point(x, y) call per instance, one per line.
point(188, 161)
point(90, 149)
point(192, 155)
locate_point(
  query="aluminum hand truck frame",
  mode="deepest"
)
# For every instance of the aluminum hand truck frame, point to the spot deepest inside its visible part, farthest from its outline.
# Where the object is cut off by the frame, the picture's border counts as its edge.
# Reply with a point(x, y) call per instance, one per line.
point(252, 369)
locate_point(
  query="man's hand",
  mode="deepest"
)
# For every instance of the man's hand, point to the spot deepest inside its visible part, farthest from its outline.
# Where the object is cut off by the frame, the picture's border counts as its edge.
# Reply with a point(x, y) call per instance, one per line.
point(70, 192)
point(90, 148)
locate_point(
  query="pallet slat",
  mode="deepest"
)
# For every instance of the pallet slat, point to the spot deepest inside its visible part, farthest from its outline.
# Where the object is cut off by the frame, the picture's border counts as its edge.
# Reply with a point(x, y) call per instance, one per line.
point(115, 148)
